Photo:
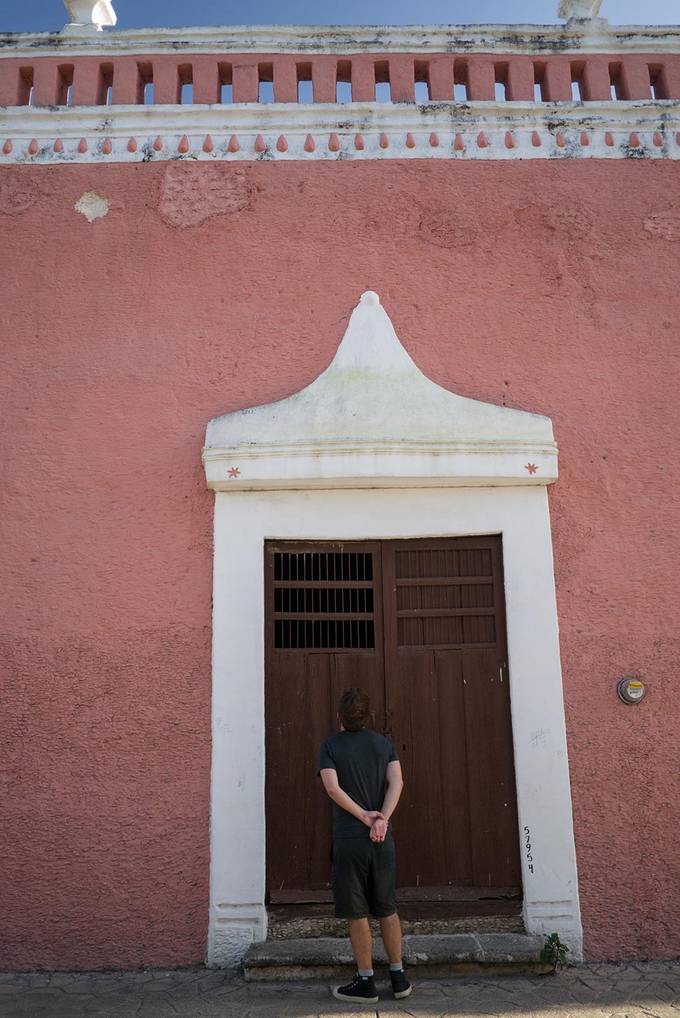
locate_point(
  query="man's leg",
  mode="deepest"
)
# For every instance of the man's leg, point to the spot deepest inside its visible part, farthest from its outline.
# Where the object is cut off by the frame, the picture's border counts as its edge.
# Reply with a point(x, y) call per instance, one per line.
point(390, 928)
point(349, 879)
point(362, 988)
point(384, 906)
point(362, 943)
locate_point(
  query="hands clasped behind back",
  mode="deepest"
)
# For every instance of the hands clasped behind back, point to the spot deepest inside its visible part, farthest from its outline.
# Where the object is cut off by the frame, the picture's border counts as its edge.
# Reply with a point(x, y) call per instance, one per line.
point(378, 829)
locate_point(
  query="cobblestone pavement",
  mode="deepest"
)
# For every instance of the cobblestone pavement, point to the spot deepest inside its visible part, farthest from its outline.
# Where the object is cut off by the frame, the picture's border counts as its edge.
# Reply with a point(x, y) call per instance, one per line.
point(641, 990)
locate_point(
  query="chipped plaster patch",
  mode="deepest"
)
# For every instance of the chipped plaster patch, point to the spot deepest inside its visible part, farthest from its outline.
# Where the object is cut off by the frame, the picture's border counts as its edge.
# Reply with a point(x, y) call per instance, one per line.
point(192, 193)
point(664, 224)
point(17, 192)
point(92, 206)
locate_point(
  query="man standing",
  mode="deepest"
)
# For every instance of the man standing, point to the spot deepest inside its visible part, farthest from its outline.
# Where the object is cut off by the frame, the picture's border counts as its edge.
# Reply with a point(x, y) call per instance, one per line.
point(361, 773)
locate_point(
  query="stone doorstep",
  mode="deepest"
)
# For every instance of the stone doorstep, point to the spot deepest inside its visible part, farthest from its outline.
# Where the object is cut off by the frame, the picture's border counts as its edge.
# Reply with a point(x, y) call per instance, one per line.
point(433, 956)
point(317, 921)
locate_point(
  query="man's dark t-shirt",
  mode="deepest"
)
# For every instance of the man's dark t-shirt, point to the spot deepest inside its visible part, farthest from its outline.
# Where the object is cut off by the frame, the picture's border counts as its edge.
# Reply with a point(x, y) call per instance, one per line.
point(360, 759)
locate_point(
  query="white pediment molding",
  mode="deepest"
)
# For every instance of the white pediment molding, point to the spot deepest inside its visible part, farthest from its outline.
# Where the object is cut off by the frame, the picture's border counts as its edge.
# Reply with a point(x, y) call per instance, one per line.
point(372, 419)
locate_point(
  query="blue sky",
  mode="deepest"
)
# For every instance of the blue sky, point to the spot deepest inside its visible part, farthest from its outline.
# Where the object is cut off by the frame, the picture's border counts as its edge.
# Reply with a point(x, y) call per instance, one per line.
point(50, 15)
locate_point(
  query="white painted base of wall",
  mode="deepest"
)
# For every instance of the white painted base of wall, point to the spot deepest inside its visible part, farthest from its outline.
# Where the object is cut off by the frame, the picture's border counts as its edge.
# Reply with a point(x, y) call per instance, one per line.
point(232, 929)
point(243, 521)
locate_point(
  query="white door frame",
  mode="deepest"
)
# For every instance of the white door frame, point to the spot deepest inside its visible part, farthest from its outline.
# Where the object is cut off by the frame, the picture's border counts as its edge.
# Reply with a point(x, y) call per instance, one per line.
point(243, 522)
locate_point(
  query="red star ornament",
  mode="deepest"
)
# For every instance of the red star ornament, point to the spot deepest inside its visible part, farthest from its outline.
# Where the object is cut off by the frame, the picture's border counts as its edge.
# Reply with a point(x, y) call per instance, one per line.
point(234, 471)
point(531, 467)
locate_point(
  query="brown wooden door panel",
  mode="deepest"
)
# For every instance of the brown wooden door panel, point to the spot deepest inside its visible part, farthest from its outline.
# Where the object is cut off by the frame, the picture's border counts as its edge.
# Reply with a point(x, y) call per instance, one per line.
point(296, 811)
point(426, 726)
point(490, 777)
point(454, 765)
point(449, 712)
point(433, 751)
point(317, 602)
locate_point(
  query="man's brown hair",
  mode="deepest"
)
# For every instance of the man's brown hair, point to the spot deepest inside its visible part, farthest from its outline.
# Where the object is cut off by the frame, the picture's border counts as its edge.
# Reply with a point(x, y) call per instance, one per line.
point(353, 709)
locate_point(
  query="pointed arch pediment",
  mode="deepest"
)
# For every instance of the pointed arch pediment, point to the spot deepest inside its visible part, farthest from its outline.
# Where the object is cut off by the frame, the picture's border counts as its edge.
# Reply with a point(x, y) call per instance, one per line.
point(373, 419)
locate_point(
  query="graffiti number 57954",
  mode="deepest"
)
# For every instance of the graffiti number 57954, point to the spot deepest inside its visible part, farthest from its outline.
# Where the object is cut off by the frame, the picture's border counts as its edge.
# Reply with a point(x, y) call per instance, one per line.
point(527, 848)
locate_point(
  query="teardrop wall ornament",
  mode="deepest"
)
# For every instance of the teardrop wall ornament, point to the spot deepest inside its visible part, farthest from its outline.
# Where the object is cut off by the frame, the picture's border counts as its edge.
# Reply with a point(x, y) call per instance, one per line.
point(481, 136)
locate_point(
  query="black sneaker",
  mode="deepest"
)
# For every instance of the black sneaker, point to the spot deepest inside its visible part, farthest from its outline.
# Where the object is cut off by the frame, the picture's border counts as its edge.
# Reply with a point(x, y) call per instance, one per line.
point(360, 991)
point(400, 985)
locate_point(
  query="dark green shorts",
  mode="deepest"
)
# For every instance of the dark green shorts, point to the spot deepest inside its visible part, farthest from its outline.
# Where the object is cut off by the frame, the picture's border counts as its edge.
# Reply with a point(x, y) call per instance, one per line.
point(363, 877)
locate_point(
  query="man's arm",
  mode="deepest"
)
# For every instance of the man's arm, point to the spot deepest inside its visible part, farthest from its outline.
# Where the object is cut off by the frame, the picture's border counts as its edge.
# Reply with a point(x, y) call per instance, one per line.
point(395, 783)
point(329, 776)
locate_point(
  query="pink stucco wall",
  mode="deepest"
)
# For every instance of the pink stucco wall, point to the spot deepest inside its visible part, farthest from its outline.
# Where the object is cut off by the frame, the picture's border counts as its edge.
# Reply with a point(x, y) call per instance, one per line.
point(549, 287)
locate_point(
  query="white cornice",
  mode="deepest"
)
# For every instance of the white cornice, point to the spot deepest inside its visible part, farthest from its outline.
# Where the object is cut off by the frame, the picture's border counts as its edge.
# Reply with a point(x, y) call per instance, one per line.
point(578, 37)
point(292, 131)
point(379, 465)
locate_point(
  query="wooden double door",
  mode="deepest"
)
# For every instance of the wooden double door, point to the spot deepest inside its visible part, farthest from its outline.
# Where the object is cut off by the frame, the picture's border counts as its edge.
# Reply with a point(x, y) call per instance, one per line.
point(420, 625)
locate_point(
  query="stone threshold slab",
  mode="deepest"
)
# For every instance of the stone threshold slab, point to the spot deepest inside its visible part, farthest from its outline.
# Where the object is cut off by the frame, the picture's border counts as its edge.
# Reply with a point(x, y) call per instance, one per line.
point(435, 956)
